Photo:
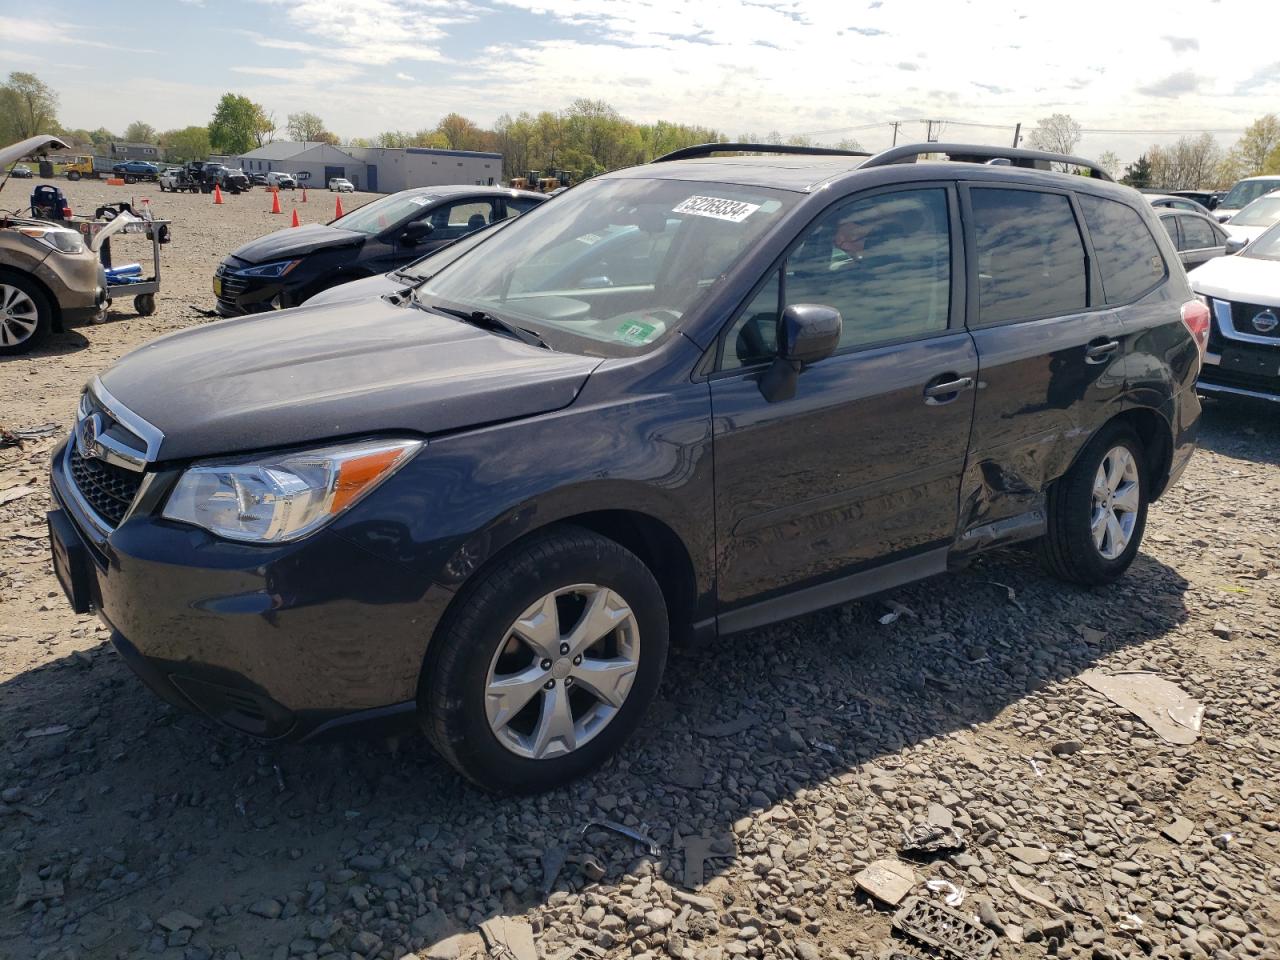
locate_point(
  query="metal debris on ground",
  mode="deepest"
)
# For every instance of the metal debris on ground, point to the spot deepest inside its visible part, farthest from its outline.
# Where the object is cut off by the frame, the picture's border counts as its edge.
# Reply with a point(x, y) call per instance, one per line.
point(641, 838)
point(949, 932)
point(1033, 897)
point(886, 880)
point(1130, 923)
point(1009, 592)
point(1163, 706)
point(953, 896)
point(927, 838)
point(14, 438)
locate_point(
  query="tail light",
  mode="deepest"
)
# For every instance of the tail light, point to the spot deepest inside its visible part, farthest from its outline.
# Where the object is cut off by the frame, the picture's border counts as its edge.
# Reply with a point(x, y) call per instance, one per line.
point(1195, 317)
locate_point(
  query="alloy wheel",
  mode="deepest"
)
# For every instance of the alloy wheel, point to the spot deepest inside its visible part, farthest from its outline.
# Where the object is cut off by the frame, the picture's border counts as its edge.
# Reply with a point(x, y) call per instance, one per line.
point(19, 315)
point(1117, 497)
point(562, 671)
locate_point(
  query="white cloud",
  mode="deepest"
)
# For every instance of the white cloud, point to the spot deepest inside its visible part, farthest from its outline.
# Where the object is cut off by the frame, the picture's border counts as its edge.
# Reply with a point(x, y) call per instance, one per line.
point(404, 76)
point(50, 34)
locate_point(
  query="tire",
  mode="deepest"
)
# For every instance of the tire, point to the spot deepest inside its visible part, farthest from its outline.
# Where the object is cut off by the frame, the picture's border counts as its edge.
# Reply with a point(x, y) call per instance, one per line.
point(145, 304)
point(476, 643)
point(1070, 549)
point(26, 316)
point(73, 175)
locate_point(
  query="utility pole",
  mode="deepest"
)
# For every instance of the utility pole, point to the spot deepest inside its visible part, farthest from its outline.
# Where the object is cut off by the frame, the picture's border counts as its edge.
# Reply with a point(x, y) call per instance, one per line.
point(896, 124)
point(929, 137)
point(1017, 134)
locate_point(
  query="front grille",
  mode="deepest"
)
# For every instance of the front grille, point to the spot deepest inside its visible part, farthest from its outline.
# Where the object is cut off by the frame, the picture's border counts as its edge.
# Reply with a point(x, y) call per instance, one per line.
point(1242, 315)
point(108, 489)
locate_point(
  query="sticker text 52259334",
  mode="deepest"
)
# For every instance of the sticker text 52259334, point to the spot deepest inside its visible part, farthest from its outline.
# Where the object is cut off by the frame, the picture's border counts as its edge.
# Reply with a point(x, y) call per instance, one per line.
point(718, 208)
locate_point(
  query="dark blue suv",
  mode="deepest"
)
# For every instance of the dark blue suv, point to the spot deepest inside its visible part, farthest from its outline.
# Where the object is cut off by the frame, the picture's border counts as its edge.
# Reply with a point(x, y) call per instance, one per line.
point(681, 399)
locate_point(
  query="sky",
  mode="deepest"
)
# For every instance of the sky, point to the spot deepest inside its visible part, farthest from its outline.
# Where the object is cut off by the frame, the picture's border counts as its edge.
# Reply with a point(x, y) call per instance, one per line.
point(827, 69)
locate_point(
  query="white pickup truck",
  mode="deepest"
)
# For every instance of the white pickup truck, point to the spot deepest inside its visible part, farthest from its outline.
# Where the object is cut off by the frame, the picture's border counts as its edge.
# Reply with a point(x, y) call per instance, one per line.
point(176, 180)
point(281, 180)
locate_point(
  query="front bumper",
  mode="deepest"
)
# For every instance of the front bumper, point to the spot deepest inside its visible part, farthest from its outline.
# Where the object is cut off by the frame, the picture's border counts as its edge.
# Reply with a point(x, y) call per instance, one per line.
point(283, 642)
point(237, 295)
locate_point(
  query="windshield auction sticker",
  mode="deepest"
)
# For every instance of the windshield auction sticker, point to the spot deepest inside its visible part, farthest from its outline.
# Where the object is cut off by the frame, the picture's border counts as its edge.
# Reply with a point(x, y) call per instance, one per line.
point(718, 208)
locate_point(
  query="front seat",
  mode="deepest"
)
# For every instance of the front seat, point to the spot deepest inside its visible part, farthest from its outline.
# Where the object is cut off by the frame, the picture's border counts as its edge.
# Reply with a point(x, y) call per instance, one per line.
point(476, 221)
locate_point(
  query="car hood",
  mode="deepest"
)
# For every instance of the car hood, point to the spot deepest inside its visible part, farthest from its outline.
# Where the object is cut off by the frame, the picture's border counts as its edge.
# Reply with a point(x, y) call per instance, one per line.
point(1241, 232)
point(38, 144)
point(297, 241)
point(366, 288)
point(347, 369)
point(1249, 279)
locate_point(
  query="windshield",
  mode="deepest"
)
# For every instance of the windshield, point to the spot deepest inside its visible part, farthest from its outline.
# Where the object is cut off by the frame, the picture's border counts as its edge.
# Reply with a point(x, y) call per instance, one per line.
point(1247, 191)
point(1260, 213)
point(1266, 246)
point(610, 268)
point(436, 261)
point(384, 213)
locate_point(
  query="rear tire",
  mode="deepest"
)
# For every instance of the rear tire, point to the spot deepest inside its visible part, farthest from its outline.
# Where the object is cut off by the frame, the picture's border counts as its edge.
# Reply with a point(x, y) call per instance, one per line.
point(1097, 512)
point(26, 316)
point(511, 742)
point(73, 175)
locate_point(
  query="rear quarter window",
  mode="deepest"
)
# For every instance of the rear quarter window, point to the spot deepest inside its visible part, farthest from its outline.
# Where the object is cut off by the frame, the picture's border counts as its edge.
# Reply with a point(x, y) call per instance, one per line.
point(1128, 256)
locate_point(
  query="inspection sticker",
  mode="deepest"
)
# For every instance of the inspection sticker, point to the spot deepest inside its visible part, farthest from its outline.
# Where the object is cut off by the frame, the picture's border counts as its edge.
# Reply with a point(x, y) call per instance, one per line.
point(636, 333)
point(718, 208)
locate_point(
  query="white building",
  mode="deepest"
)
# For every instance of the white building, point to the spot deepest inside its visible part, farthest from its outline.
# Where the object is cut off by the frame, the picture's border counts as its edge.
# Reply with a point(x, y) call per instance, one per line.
point(377, 169)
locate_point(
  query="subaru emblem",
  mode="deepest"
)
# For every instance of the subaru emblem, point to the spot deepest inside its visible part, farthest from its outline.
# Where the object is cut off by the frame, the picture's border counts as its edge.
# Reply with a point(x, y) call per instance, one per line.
point(1265, 321)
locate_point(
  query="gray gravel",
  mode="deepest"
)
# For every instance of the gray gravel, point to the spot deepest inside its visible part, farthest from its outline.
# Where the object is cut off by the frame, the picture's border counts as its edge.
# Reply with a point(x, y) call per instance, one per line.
point(778, 763)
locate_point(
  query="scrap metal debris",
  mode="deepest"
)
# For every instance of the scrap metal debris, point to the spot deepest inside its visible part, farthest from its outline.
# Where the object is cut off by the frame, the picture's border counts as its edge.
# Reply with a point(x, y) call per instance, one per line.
point(649, 843)
point(886, 880)
point(1033, 897)
point(929, 838)
point(14, 438)
point(953, 896)
point(1163, 706)
point(949, 932)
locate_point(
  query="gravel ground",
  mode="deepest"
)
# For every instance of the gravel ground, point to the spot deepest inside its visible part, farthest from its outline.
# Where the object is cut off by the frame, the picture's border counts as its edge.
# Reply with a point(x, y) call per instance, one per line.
point(794, 756)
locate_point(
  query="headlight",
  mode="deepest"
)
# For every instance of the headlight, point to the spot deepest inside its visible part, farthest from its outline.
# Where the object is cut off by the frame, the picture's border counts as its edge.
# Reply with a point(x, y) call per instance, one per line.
point(283, 496)
point(277, 269)
point(64, 241)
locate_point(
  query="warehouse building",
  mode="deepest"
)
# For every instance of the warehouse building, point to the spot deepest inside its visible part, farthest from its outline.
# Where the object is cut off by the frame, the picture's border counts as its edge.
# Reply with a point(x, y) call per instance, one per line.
point(377, 169)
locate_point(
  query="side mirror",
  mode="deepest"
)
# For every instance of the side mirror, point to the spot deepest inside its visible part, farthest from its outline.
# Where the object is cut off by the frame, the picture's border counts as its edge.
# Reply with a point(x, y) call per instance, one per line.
point(416, 232)
point(807, 333)
point(1213, 202)
point(1235, 245)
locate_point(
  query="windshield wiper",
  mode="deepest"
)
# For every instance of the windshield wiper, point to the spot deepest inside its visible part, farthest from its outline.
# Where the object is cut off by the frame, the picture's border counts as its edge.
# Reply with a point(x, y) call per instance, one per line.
point(487, 321)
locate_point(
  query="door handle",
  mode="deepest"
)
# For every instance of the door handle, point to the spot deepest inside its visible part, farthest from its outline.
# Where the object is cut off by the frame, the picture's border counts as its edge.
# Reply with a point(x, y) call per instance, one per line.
point(947, 390)
point(1099, 350)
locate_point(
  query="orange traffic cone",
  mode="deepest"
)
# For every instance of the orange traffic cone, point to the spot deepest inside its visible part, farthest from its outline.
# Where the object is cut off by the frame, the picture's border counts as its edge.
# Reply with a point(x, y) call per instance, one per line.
point(217, 193)
point(275, 202)
point(304, 194)
point(295, 218)
point(337, 209)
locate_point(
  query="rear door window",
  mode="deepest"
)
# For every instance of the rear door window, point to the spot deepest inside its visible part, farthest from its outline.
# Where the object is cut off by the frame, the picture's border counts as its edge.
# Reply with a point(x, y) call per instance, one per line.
point(1127, 253)
point(1196, 234)
point(1031, 259)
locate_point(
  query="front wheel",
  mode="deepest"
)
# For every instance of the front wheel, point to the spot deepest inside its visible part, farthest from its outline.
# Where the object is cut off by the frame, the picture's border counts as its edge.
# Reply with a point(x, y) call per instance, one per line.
point(25, 314)
point(73, 175)
point(547, 662)
point(1097, 512)
point(145, 304)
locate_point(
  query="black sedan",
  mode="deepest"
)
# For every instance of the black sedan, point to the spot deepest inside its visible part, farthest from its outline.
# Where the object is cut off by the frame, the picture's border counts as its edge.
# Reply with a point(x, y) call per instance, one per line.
point(285, 268)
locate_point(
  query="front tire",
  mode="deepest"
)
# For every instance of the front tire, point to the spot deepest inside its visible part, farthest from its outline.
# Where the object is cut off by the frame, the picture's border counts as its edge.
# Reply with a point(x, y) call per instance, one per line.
point(546, 663)
point(1097, 512)
point(73, 176)
point(25, 314)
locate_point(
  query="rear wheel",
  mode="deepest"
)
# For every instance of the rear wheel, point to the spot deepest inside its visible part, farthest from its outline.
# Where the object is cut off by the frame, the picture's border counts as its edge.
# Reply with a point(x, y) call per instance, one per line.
point(1097, 512)
point(73, 175)
point(145, 304)
point(547, 662)
point(25, 314)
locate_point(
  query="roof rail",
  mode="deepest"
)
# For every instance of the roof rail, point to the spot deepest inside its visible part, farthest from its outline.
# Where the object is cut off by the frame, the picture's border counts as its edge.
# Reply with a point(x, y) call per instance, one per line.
point(706, 149)
point(982, 153)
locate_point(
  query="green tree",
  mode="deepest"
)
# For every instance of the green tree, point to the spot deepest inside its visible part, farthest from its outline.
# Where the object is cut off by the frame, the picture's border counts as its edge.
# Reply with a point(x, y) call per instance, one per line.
point(1254, 149)
point(1109, 162)
point(1273, 162)
point(264, 125)
point(102, 136)
point(188, 143)
point(459, 133)
point(235, 125)
point(1138, 173)
point(28, 106)
point(140, 132)
point(304, 126)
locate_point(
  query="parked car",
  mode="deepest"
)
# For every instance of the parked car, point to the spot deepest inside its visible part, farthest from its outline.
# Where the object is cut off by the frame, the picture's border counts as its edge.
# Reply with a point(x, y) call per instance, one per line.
point(489, 502)
point(258, 179)
point(1170, 201)
point(21, 171)
point(1242, 194)
point(178, 180)
point(281, 180)
point(133, 170)
point(341, 185)
point(285, 268)
point(234, 180)
point(1255, 218)
point(48, 277)
point(1197, 236)
point(1243, 293)
point(1206, 198)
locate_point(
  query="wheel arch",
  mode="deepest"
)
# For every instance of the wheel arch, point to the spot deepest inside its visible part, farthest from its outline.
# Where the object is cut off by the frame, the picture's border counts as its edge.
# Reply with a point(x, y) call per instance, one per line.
point(1157, 445)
